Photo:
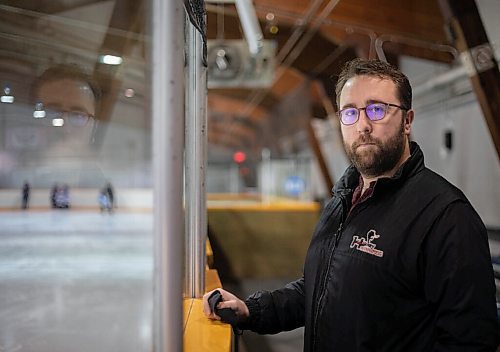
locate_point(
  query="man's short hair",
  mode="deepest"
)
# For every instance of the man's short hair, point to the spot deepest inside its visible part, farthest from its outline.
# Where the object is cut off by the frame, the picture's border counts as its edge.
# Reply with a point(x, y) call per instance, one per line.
point(384, 70)
point(65, 71)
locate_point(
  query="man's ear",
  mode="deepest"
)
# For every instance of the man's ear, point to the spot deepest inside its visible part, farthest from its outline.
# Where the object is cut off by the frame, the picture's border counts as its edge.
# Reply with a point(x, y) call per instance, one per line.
point(408, 120)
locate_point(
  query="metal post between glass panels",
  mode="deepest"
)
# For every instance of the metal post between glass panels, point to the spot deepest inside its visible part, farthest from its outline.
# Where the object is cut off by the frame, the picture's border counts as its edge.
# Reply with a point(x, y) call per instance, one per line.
point(196, 141)
point(168, 144)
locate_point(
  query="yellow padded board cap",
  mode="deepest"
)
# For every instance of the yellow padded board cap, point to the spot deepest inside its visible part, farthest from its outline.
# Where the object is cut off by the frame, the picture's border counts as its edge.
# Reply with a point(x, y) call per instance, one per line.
point(204, 335)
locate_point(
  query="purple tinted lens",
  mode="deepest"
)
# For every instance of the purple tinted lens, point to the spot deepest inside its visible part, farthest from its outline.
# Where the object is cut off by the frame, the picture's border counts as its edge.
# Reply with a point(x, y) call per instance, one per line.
point(349, 116)
point(78, 119)
point(376, 111)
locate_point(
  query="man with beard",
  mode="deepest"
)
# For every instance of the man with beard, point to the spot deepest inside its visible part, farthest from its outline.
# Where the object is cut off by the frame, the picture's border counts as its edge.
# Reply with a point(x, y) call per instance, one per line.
point(399, 260)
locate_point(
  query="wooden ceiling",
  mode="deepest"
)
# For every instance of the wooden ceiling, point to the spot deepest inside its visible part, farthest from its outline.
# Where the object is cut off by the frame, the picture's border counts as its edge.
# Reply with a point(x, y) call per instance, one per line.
point(328, 33)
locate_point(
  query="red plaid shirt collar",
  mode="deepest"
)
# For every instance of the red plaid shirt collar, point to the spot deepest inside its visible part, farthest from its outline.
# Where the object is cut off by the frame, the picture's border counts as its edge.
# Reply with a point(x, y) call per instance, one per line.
point(357, 196)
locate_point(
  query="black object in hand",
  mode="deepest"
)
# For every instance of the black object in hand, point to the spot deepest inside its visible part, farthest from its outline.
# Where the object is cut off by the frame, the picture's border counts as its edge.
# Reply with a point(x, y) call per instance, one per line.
point(227, 315)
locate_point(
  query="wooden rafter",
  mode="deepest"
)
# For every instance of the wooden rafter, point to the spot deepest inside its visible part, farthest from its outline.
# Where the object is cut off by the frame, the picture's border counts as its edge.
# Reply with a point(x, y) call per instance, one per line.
point(471, 40)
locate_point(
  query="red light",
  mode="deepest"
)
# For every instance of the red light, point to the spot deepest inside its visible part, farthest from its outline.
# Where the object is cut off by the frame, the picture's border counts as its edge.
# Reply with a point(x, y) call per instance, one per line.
point(239, 157)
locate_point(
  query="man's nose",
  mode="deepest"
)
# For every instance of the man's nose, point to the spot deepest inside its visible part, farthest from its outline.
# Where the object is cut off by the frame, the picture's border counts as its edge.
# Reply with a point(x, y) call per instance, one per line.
point(363, 125)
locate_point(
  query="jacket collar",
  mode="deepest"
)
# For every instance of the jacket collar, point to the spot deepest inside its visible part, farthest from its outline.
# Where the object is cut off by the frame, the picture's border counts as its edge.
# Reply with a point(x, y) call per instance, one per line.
point(413, 165)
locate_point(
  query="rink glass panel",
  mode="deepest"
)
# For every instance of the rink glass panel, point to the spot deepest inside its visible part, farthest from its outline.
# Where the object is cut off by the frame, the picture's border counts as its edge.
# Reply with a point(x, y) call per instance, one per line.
point(76, 266)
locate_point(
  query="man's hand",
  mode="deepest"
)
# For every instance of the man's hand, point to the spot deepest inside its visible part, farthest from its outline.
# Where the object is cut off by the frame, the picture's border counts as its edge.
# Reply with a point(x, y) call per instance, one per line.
point(228, 301)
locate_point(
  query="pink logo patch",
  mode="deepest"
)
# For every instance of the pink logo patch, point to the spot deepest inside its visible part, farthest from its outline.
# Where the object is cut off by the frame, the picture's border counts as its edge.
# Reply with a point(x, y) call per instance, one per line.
point(366, 244)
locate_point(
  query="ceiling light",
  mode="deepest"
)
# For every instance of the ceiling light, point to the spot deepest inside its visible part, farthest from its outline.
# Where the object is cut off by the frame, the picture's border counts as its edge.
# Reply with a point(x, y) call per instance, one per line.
point(129, 93)
point(39, 112)
point(9, 99)
point(110, 59)
point(57, 122)
point(6, 97)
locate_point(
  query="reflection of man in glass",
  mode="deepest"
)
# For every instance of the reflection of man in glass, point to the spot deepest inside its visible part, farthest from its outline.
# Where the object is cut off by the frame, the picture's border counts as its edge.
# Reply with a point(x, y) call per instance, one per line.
point(66, 100)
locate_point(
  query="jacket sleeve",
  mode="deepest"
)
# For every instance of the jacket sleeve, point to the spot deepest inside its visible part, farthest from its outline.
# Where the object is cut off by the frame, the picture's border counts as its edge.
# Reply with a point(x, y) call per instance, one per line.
point(275, 311)
point(459, 282)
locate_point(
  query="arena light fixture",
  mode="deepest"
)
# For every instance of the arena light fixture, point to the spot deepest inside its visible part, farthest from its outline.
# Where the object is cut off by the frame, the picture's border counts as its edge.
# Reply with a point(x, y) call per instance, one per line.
point(57, 122)
point(110, 59)
point(7, 97)
point(39, 112)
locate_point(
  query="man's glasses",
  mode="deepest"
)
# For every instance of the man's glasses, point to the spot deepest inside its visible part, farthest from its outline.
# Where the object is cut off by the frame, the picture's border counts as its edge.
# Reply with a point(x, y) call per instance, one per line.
point(374, 112)
point(74, 118)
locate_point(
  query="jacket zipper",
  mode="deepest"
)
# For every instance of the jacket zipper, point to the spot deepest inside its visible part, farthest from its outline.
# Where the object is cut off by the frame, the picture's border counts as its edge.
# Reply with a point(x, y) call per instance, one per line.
point(338, 234)
point(345, 214)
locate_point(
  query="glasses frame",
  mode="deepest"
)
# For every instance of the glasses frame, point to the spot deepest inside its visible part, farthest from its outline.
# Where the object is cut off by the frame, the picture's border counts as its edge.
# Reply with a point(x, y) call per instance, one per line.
point(364, 108)
point(68, 116)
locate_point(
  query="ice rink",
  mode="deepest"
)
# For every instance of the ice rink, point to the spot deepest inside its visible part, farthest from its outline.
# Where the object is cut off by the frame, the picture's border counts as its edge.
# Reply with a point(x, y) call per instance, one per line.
point(75, 281)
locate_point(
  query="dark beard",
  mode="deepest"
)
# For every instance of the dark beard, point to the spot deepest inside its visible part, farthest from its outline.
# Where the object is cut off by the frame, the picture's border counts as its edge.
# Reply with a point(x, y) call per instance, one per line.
point(383, 159)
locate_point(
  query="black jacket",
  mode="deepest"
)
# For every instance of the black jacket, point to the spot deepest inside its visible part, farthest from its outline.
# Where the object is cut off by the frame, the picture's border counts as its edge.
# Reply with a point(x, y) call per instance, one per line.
point(408, 269)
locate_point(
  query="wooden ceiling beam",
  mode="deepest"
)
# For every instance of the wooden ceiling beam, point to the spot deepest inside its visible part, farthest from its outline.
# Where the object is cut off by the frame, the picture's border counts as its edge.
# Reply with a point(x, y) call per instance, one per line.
point(318, 93)
point(418, 19)
point(229, 22)
point(316, 148)
point(398, 45)
point(289, 80)
point(412, 18)
point(312, 55)
point(420, 52)
point(471, 40)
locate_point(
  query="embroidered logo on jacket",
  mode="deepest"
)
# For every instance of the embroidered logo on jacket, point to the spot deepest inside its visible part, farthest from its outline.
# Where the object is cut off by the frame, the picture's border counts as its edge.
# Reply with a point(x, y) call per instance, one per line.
point(366, 244)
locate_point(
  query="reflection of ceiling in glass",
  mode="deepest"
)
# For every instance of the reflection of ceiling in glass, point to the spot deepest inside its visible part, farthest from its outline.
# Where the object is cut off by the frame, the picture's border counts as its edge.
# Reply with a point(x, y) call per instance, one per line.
point(42, 125)
point(38, 34)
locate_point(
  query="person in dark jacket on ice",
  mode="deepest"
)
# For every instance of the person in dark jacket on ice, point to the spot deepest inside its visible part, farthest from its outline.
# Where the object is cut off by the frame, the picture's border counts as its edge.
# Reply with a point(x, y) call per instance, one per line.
point(399, 260)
